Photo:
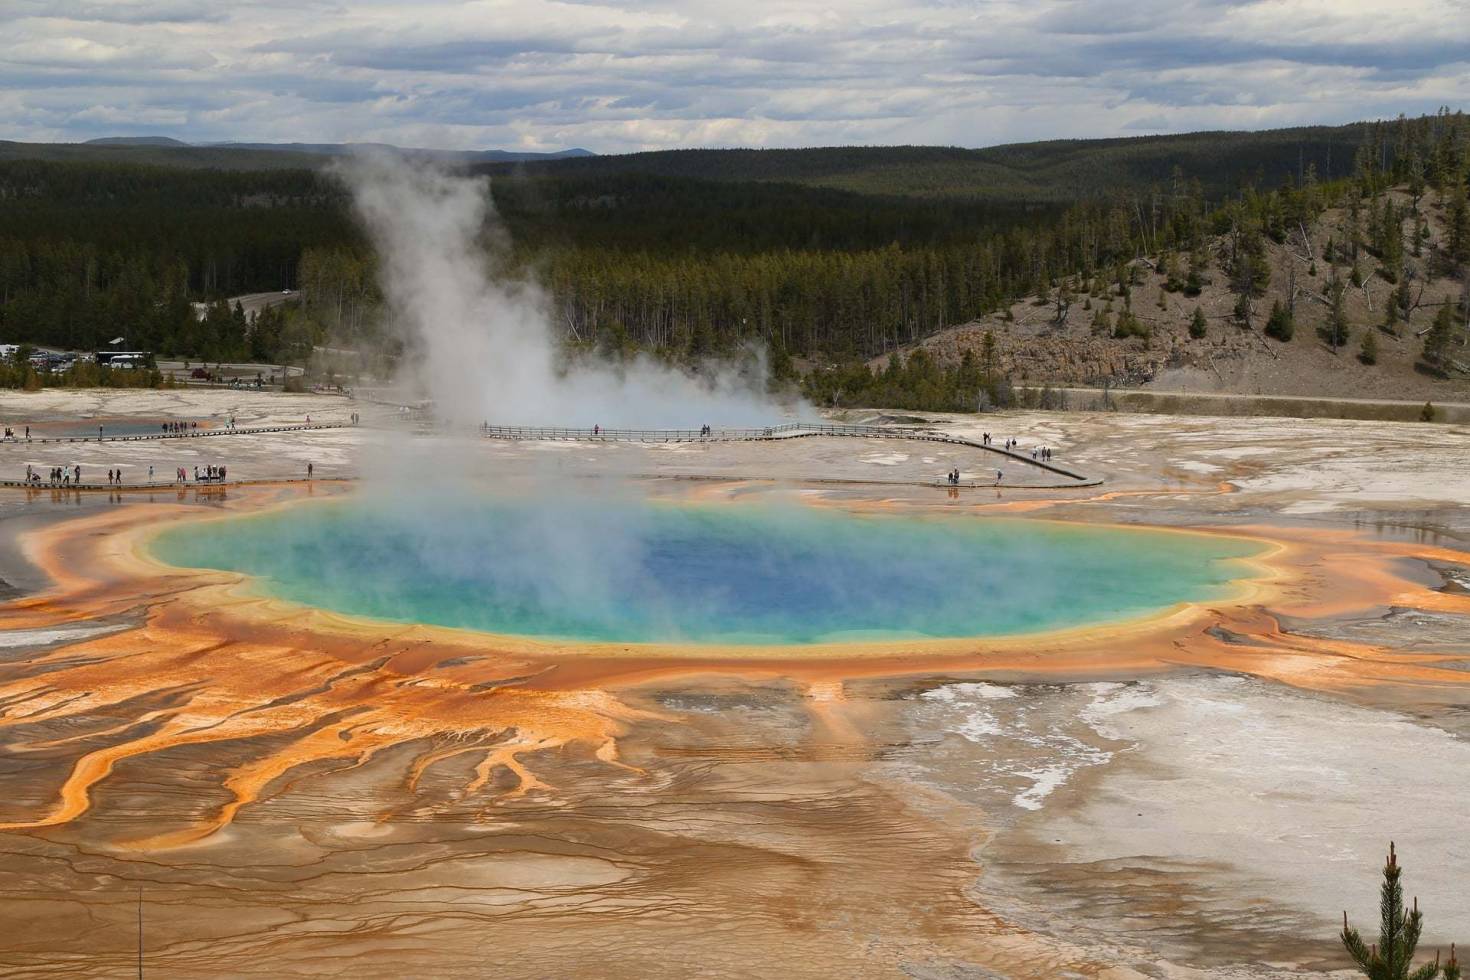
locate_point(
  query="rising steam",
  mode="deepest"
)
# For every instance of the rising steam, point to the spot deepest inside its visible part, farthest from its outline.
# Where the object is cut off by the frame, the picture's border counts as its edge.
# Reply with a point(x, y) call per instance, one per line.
point(484, 342)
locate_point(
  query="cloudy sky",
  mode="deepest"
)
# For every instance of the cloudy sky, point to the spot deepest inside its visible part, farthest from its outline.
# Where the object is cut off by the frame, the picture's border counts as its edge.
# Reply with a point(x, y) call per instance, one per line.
point(645, 74)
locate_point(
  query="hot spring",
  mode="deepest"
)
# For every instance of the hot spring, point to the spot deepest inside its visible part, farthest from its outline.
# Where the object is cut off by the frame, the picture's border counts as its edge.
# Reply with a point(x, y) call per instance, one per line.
point(577, 568)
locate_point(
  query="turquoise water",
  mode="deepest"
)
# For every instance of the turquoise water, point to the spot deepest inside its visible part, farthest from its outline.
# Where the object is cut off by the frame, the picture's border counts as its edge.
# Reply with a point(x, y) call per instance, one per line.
point(636, 571)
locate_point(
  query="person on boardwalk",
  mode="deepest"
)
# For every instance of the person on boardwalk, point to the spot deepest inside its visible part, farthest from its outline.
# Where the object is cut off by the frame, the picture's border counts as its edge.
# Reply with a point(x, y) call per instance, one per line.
point(310, 469)
point(998, 476)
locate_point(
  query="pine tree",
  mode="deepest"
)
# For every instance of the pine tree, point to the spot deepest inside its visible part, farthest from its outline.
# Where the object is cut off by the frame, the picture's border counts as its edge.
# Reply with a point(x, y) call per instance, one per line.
point(1437, 340)
point(1393, 244)
point(1197, 325)
point(1398, 934)
point(1280, 324)
point(1459, 222)
point(1368, 353)
point(1335, 330)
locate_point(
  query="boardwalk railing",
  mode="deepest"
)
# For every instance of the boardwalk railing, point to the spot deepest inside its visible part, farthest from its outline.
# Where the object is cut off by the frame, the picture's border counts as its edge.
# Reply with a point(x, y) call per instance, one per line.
point(784, 431)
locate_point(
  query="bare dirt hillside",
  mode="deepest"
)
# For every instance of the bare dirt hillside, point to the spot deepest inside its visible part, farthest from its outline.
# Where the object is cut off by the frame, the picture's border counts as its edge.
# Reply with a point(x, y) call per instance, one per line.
point(1037, 346)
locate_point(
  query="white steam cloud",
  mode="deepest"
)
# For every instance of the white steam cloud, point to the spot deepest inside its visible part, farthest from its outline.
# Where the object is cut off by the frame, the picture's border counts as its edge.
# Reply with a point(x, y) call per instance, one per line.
point(484, 342)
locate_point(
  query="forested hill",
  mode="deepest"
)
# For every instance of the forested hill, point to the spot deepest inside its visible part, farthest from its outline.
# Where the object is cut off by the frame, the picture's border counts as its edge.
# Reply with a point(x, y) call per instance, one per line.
point(161, 155)
point(1057, 170)
point(1052, 171)
point(837, 253)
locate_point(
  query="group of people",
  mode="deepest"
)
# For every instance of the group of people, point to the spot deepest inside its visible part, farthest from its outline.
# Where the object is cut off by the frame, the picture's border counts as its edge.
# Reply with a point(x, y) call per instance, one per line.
point(68, 476)
point(175, 428)
point(954, 477)
point(10, 435)
point(1040, 453)
point(60, 476)
point(706, 430)
point(987, 440)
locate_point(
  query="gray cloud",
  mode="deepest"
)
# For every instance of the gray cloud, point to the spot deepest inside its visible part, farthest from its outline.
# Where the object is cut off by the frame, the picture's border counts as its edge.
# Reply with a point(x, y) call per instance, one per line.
point(543, 74)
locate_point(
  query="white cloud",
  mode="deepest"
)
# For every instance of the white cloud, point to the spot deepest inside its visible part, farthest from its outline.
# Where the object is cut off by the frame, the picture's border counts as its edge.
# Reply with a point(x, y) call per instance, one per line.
point(543, 74)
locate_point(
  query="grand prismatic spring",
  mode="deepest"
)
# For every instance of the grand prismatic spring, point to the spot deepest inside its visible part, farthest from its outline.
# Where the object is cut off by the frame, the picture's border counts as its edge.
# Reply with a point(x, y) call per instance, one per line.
point(581, 568)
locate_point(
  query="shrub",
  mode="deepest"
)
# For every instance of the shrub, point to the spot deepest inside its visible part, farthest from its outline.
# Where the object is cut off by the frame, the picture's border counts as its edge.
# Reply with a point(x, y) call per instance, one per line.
point(1197, 325)
point(1368, 353)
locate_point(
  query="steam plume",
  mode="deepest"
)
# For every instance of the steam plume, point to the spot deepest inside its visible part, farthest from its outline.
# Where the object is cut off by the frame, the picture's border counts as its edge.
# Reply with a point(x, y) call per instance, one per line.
point(485, 341)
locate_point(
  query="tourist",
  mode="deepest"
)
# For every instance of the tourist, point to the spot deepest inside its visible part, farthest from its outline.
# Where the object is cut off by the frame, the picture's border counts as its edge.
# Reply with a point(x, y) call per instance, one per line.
point(998, 475)
point(150, 472)
point(28, 433)
point(310, 468)
point(196, 474)
point(79, 474)
point(222, 474)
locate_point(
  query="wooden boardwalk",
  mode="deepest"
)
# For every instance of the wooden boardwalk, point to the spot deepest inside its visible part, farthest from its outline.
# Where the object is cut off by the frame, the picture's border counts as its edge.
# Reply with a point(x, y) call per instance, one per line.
point(791, 430)
point(185, 434)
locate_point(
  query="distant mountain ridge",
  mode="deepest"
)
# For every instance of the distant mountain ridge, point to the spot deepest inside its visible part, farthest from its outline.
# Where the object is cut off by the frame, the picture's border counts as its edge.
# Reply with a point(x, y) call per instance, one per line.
point(475, 156)
point(1043, 171)
point(1043, 174)
point(135, 141)
point(294, 154)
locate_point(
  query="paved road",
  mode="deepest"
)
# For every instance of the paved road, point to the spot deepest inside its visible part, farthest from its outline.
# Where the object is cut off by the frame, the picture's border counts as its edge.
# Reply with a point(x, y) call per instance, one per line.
point(255, 302)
